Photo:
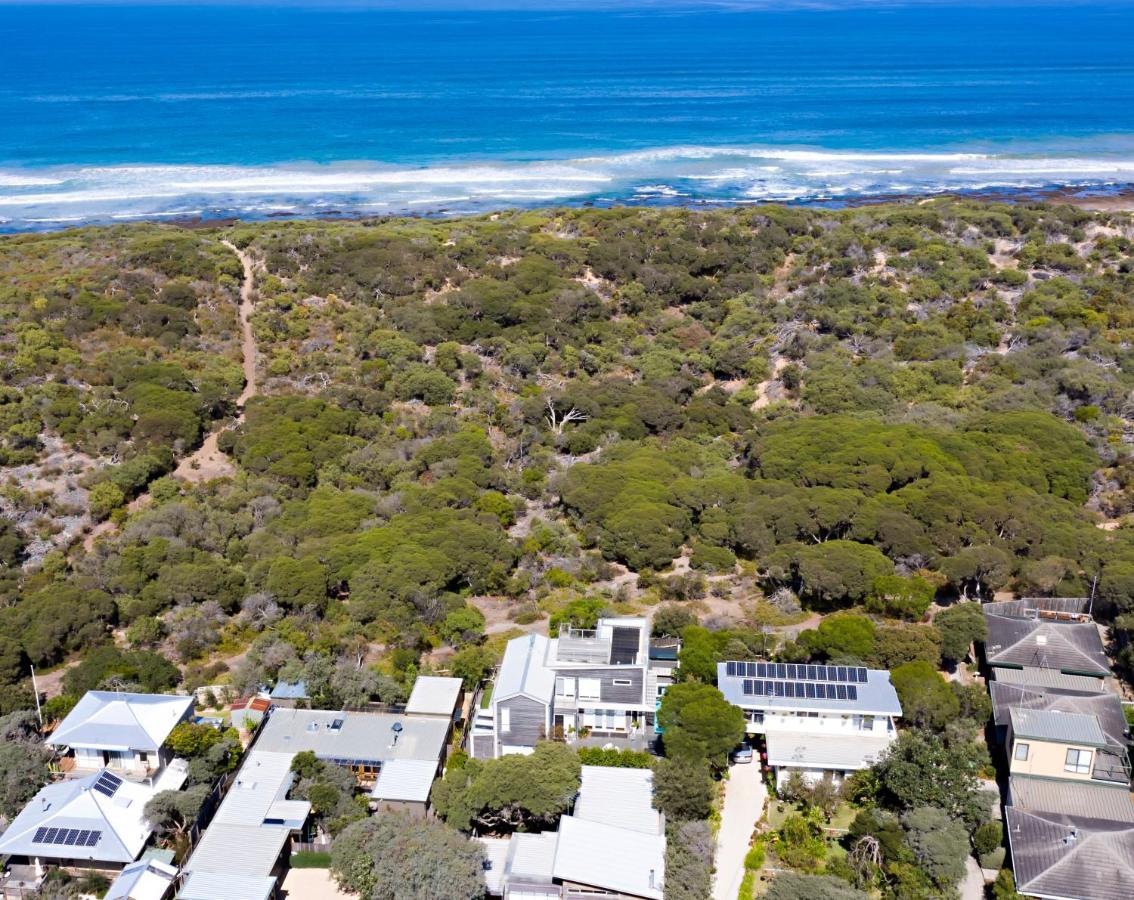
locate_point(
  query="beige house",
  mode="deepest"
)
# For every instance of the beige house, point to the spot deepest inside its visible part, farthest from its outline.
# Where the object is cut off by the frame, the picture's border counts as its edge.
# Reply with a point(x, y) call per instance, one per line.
point(1068, 746)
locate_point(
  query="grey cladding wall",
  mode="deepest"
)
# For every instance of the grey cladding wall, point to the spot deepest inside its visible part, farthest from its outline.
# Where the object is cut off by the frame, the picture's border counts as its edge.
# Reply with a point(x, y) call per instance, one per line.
point(609, 692)
point(528, 721)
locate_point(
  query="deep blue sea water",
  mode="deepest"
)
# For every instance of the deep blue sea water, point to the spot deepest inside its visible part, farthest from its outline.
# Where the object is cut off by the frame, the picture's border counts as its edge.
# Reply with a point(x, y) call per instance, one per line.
point(117, 112)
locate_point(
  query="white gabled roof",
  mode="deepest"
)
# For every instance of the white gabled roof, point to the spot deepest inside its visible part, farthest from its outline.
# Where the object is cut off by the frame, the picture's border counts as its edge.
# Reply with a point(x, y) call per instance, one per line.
point(147, 879)
point(434, 696)
point(107, 720)
point(405, 780)
point(111, 815)
point(619, 797)
point(523, 670)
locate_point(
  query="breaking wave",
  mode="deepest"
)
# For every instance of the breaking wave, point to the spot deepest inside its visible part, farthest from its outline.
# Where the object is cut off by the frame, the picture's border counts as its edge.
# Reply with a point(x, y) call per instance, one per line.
point(36, 198)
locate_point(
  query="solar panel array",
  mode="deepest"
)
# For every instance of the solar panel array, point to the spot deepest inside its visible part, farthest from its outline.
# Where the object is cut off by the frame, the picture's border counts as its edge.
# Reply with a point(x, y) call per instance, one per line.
point(800, 690)
point(797, 672)
point(68, 837)
point(108, 784)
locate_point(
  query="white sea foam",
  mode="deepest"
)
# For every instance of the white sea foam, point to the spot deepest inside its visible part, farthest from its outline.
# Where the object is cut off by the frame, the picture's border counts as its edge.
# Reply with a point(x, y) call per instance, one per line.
point(667, 174)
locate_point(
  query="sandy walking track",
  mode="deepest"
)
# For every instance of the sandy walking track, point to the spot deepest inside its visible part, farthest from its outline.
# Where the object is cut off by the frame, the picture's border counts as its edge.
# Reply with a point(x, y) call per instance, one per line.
point(207, 461)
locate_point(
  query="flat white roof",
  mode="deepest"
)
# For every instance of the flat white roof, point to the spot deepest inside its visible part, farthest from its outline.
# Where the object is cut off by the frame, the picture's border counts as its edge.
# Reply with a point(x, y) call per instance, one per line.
point(434, 696)
point(405, 780)
point(354, 736)
point(605, 856)
point(807, 750)
point(619, 797)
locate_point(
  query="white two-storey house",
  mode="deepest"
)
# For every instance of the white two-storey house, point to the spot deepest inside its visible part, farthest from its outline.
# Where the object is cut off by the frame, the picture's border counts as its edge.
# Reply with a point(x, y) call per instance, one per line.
point(816, 719)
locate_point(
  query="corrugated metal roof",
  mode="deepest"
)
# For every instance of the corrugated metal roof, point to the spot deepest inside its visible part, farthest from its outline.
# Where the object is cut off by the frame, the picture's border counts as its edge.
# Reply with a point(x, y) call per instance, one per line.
point(532, 856)
point(616, 859)
point(434, 696)
point(1052, 725)
point(799, 749)
point(1078, 799)
point(495, 859)
point(1034, 676)
point(1107, 708)
point(619, 797)
point(110, 720)
point(362, 736)
point(876, 697)
point(288, 690)
point(522, 671)
point(1059, 855)
point(405, 779)
point(147, 879)
point(238, 844)
point(264, 778)
point(118, 820)
point(238, 849)
point(209, 886)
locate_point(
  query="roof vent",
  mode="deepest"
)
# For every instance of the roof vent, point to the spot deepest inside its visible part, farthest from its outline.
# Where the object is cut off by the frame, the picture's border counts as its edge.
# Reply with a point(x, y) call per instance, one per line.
point(1041, 639)
point(312, 726)
point(396, 728)
point(1072, 836)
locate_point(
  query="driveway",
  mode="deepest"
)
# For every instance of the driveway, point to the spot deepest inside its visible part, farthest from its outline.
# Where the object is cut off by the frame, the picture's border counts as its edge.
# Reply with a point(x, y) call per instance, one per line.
point(743, 803)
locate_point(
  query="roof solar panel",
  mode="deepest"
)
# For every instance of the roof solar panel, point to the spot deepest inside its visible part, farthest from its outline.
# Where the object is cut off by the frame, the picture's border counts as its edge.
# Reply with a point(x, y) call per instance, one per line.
point(108, 784)
point(862, 675)
point(730, 669)
point(746, 686)
point(842, 689)
point(820, 673)
point(93, 838)
point(810, 688)
point(39, 835)
point(842, 673)
point(49, 838)
point(852, 692)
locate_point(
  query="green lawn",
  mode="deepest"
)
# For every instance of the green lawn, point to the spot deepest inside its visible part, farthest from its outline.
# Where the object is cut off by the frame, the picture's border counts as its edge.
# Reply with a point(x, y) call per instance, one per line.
point(486, 697)
point(840, 821)
point(309, 859)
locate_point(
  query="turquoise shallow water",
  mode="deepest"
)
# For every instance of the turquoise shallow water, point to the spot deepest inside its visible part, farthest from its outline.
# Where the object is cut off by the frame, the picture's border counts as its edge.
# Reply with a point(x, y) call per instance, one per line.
point(117, 112)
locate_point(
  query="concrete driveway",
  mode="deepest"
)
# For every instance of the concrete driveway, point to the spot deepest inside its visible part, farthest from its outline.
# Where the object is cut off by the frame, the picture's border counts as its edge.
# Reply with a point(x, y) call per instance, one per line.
point(743, 803)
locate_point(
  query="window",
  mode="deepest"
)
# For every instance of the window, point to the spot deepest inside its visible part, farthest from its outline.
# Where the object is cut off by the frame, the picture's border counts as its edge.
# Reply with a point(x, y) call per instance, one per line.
point(1078, 761)
point(622, 682)
point(1022, 751)
point(505, 719)
point(590, 688)
point(868, 723)
point(565, 687)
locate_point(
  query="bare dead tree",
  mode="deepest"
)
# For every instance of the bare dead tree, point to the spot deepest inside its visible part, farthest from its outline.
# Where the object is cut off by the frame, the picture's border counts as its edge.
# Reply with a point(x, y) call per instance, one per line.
point(556, 420)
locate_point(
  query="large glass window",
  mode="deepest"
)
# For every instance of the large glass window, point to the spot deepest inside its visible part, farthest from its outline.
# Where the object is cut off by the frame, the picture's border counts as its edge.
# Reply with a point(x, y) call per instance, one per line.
point(1078, 761)
point(590, 689)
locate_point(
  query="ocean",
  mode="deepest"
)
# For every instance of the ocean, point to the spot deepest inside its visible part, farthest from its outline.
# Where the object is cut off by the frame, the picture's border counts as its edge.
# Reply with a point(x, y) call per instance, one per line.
point(110, 113)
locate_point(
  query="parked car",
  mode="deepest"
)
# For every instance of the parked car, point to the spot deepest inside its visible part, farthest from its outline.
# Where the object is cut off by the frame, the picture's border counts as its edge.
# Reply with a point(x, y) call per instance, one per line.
point(741, 755)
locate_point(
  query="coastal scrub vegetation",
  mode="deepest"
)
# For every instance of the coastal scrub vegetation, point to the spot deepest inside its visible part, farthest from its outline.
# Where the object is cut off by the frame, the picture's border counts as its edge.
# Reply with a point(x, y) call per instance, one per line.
point(464, 429)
